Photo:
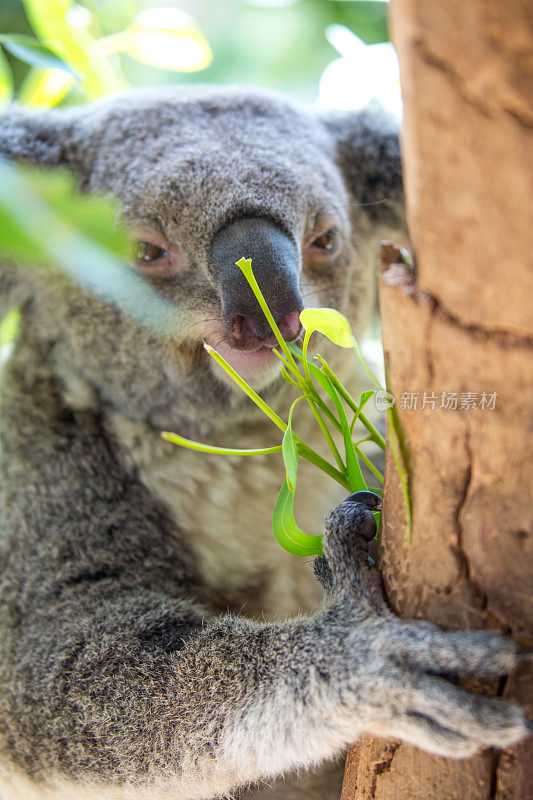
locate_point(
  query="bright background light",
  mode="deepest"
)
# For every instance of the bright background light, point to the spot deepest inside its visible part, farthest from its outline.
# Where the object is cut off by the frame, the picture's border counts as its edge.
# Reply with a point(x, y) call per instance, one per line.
point(362, 74)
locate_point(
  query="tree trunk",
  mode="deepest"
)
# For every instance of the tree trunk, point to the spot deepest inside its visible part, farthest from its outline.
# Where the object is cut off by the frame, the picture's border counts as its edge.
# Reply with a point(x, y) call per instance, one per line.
point(461, 332)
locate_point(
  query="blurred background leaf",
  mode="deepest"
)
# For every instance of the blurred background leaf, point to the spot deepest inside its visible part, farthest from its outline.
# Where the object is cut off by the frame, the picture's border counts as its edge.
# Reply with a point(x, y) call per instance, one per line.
point(39, 207)
point(281, 44)
point(30, 50)
point(165, 38)
point(6, 79)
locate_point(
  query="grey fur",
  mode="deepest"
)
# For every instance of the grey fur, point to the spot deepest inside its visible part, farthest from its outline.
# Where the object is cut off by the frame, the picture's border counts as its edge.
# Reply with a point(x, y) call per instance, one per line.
point(122, 672)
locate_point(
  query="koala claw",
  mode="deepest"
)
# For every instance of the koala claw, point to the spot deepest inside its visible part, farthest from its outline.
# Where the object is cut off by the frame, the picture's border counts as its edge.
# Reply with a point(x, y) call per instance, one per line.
point(406, 661)
point(348, 529)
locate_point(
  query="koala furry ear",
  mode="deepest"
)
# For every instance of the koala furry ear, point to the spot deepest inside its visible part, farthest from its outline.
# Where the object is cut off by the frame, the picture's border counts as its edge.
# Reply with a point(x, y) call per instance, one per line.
point(368, 155)
point(40, 136)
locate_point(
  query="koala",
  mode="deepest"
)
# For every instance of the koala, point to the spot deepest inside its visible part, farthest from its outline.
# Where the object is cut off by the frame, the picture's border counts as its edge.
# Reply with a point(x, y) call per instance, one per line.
point(155, 641)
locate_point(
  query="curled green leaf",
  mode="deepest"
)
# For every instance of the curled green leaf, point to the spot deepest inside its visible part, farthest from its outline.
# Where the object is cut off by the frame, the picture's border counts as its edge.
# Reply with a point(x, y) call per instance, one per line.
point(286, 530)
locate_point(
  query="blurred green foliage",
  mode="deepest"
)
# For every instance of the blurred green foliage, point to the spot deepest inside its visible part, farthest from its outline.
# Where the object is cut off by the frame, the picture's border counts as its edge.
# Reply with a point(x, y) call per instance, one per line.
point(41, 210)
point(112, 43)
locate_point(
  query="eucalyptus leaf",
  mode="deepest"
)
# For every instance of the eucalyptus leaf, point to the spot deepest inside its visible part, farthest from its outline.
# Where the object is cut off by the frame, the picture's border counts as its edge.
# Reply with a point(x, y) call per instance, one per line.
point(95, 217)
point(356, 481)
point(31, 51)
point(290, 458)
point(6, 79)
point(167, 38)
point(16, 243)
point(363, 400)
point(290, 451)
point(329, 322)
point(75, 45)
point(45, 87)
point(286, 530)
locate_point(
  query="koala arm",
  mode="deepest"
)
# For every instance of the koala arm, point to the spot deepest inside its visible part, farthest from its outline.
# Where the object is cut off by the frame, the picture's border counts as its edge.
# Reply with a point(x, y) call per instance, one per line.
point(116, 680)
point(136, 689)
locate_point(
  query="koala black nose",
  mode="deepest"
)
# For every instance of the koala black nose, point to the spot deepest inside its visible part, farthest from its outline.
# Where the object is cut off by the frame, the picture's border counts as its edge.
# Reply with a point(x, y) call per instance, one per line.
point(275, 263)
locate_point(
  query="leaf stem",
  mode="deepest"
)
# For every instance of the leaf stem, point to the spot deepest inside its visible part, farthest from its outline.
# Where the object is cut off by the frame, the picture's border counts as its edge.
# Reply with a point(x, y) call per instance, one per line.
point(306, 451)
point(245, 265)
point(265, 408)
point(175, 438)
point(376, 435)
point(289, 365)
point(327, 434)
point(375, 471)
point(321, 463)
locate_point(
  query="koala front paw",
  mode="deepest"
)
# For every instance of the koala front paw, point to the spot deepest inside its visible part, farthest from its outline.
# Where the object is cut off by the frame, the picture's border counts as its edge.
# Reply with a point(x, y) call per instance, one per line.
point(344, 570)
point(396, 678)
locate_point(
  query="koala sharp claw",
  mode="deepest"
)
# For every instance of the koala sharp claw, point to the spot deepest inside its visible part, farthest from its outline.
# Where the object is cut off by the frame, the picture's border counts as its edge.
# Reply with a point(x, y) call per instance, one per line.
point(369, 499)
point(349, 527)
point(406, 660)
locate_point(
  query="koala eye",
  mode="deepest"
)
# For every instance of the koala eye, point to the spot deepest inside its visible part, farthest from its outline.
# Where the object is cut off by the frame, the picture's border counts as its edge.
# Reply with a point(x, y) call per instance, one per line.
point(158, 259)
point(327, 241)
point(146, 252)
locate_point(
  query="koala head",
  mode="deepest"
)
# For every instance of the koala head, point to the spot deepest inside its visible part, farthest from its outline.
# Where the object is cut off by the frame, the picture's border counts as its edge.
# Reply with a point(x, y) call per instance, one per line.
point(206, 176)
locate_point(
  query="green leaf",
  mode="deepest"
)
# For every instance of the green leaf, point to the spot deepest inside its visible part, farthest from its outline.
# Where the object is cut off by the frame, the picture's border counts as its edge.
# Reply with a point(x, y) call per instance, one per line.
point(290, 450)
point(288, 534)
point(95, 217)
point(329, 322)
point(31, 51)
point(166, 38)
point(290, 458)
point(363, 400)
point(75, 45)
point(6, 79)
point(356, 481)
point(94, 267)
point(365, 397)
point(15, 242)
point(45, 87)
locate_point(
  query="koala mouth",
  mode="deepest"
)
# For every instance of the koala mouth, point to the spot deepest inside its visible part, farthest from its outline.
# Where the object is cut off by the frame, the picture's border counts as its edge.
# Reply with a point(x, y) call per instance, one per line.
point(258, 366)
point(249, 355)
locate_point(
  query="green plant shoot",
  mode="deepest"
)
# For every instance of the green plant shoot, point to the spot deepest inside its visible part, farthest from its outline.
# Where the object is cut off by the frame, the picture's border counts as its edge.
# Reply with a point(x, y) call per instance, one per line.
point(315, 377)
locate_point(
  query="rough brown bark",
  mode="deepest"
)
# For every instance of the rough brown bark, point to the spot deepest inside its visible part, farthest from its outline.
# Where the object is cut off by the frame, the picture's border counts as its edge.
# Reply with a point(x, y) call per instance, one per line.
point(464, 324)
